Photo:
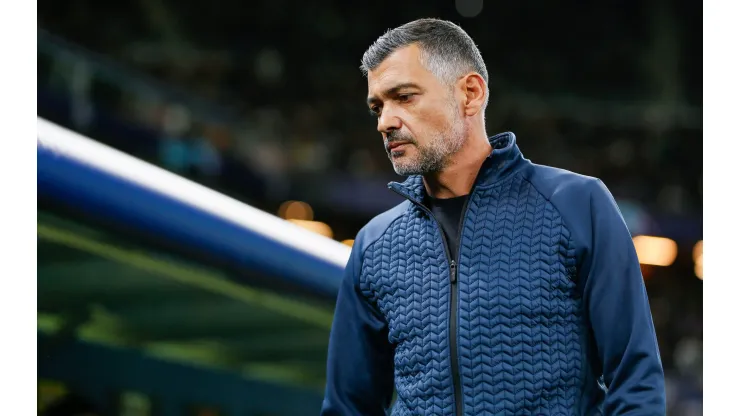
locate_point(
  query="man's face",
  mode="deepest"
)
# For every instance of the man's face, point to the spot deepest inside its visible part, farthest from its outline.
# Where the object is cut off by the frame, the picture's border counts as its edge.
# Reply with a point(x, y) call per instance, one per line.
point(420, 119)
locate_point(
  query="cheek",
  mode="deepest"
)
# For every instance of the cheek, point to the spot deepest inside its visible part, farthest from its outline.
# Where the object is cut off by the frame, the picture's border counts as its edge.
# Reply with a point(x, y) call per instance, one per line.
point(425, 123)
point(439, 116)
point(435, 126)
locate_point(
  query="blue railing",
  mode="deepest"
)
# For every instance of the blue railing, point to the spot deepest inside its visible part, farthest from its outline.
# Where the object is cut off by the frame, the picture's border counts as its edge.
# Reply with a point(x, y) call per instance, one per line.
point(98, 181)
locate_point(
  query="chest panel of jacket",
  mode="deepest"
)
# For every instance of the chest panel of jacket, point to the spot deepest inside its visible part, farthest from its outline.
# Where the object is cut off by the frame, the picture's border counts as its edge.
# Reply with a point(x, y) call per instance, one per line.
point(520, 326)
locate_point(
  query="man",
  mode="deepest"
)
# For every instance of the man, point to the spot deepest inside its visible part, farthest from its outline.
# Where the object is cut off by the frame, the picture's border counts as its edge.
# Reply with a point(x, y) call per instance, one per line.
point(499, 287)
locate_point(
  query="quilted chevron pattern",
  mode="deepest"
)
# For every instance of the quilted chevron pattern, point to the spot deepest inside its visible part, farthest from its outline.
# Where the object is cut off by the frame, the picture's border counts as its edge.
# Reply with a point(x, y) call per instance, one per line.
point(520, 332)
point(520, 317)
point(408, 279)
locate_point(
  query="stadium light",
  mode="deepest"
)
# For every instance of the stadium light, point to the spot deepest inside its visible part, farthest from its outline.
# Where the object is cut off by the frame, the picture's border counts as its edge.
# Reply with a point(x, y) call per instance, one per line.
point(296, 210)
point(698, 255)
point(655, 251)
point(698, 249)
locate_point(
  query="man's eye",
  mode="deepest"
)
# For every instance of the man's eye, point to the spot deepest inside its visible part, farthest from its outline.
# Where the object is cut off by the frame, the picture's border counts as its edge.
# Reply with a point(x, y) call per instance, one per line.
point(375, 111)
point(404, 98)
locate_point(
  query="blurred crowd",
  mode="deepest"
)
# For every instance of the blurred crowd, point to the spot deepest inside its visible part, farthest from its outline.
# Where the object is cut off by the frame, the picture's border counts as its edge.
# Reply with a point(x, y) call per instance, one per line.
point(283, 94)
point(265, 101)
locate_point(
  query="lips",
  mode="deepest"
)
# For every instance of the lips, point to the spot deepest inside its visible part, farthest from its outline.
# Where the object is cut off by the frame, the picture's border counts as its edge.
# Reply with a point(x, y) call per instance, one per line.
point(394, 145)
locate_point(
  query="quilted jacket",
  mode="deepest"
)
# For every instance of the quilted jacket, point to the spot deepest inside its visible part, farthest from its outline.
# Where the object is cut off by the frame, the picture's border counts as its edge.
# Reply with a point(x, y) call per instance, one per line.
point(544, 312)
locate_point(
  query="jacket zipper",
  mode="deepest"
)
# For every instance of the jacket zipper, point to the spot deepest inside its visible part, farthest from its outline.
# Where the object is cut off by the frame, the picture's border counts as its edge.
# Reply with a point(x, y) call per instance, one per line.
point(454, 289)
point(453, 339)
point(454, 363)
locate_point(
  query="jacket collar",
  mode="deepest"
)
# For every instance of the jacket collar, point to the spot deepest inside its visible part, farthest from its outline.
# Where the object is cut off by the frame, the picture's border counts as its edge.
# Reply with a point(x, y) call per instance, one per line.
point(505, 158)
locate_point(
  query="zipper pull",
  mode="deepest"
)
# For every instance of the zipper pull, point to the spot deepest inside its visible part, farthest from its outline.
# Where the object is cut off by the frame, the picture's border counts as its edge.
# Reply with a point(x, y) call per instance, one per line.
point(453, 272)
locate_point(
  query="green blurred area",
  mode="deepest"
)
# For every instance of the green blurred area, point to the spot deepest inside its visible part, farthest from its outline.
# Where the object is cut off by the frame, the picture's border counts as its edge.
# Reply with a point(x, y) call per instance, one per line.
point(102, 288)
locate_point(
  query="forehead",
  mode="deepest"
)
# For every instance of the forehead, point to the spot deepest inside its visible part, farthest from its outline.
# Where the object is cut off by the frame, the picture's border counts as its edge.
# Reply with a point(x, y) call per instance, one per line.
point(401, 67)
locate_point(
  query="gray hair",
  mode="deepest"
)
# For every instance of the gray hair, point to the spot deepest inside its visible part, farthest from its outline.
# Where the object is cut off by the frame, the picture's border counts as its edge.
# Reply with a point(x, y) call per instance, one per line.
point(447, 51)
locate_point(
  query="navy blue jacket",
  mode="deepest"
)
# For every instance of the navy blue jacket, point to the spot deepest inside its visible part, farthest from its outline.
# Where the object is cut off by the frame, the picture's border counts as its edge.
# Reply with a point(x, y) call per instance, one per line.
point(544, 312)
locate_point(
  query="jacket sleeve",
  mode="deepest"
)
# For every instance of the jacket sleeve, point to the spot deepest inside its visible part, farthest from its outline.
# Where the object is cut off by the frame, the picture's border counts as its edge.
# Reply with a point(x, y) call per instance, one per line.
point(619, 312)
point(359, 377)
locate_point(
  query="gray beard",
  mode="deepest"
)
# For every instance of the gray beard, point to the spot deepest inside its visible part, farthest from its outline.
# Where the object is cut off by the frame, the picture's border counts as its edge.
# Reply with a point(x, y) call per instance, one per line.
point(435, 156)
point(429, 159)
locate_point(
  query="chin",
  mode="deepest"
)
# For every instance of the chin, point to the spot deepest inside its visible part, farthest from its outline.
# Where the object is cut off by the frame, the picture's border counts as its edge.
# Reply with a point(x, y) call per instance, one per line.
point(405, 169)
point(404, 164)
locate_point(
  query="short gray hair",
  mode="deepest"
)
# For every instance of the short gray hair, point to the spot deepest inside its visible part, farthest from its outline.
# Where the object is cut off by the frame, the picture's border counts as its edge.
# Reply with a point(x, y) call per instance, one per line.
point(446, 49)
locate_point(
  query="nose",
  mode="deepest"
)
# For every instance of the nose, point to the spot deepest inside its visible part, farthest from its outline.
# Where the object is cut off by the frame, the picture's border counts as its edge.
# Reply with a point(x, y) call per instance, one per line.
point(387, 121)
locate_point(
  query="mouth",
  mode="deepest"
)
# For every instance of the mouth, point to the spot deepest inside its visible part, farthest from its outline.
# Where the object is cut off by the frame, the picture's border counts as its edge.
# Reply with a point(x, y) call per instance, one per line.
point(396, 146)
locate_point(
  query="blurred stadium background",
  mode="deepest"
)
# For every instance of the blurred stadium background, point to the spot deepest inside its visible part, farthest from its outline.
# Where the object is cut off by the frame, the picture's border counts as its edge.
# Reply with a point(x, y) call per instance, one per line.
point(143, 310)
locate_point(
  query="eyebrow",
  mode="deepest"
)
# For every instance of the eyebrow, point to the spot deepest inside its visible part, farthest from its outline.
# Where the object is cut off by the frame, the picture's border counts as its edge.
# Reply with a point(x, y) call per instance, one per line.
point(394, 90)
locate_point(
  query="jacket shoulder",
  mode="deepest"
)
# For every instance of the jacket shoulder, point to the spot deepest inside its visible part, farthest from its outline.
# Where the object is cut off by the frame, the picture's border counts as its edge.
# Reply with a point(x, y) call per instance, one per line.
point(571, 194)
point(556, 184)
point(376, 227)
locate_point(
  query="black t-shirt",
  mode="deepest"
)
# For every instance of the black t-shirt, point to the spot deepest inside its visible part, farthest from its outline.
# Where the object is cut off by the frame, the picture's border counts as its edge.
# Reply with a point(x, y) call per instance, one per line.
point(448, 213)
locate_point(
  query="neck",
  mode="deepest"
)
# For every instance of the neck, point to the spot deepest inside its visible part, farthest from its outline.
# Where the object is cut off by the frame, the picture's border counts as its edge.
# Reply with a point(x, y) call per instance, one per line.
point(458, 177)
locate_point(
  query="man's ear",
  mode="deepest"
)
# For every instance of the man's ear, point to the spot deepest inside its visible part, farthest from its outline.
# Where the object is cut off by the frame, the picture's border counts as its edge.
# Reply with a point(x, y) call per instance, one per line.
point(474, 89)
